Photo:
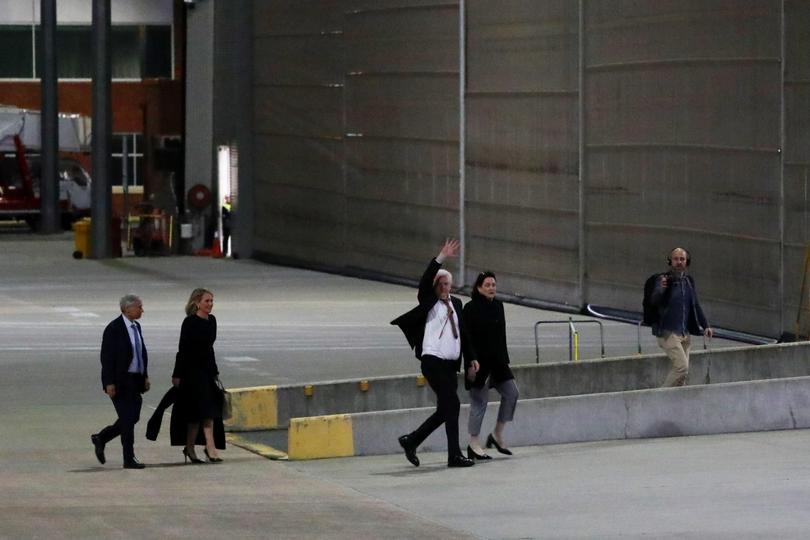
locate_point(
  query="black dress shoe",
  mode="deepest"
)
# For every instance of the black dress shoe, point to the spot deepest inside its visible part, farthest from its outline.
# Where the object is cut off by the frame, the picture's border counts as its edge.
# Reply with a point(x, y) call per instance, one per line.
point(473, 455)
point(492, 442)
point(133, 464)
point(459, 461)
point(410, 450)
point(99, 446)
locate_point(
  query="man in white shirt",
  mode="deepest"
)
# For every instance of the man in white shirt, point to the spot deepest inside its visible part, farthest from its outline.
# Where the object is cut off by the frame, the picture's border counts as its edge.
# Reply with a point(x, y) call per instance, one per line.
point(435, 331)
point(124, 377)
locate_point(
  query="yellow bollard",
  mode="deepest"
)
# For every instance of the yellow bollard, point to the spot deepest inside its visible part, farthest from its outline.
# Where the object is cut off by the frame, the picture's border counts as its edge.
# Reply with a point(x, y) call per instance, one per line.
point(81, 231)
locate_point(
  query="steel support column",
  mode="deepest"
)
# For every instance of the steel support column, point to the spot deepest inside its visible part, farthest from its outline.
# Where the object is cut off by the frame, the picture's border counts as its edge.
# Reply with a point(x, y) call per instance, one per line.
point(462, 131)
point(101, 245)
point(49, 180)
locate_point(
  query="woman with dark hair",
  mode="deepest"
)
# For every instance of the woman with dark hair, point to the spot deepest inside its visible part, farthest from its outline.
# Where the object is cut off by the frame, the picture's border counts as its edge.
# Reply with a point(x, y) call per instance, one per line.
point(195, 374)
point(486, 326)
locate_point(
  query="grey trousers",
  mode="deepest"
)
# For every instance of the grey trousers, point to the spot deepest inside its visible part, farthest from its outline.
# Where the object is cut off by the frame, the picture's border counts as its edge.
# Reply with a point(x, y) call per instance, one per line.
point(478, 405)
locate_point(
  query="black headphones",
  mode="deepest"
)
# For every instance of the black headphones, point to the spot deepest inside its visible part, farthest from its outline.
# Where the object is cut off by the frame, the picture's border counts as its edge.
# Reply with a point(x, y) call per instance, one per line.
point(688, 256)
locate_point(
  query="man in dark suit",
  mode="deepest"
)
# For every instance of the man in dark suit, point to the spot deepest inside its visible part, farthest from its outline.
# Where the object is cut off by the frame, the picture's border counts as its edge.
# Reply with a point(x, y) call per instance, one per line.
point(435, 331)
point(124, 377)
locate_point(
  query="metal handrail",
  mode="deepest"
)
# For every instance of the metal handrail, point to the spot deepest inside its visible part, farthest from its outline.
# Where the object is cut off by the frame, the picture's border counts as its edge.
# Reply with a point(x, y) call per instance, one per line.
point(572, 331)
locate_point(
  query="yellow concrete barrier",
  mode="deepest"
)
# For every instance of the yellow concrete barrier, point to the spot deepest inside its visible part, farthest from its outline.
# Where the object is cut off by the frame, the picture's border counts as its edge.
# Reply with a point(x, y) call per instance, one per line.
point(253, 408)
point(320, 437)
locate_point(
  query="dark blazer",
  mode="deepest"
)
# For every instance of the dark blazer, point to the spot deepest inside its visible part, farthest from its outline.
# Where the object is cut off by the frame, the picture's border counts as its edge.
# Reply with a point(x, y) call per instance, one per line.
point(116, 354)
point(486, 326)
point(659, 300)
point(413, 322)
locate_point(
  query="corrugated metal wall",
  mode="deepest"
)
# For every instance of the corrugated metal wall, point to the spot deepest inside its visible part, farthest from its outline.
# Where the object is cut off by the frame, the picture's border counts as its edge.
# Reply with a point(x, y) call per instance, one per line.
point(402, 171)
point(299, 68)
point(522, 182)
point(596, 135)
point(682, 144)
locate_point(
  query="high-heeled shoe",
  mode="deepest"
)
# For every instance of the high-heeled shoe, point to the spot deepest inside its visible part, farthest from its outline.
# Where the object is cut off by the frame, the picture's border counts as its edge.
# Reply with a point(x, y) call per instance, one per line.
point(212, 459)
point(191, 456)
point(492, 442)
point(472, 454)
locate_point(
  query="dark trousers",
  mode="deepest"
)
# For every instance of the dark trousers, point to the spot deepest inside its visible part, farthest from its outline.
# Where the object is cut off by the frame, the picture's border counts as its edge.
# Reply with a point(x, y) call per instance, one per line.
point(127, 403)
point(442, 378)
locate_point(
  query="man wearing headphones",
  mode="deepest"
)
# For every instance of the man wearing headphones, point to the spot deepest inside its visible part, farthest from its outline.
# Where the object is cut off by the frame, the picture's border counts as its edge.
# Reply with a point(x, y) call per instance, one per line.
point(673, 310)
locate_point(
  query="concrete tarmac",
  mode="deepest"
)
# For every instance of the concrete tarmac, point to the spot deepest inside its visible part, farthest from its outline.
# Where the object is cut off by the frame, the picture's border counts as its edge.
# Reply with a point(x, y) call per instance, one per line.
point(279, 325)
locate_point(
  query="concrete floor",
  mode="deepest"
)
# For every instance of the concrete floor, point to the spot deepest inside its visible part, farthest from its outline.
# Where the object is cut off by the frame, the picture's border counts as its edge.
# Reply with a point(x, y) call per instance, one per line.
point(282, 325)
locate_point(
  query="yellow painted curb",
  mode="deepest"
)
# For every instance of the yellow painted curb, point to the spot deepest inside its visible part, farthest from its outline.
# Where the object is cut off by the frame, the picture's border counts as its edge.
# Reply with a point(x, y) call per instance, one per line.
point(261, 449)
point(253, 408)
point(320, 437)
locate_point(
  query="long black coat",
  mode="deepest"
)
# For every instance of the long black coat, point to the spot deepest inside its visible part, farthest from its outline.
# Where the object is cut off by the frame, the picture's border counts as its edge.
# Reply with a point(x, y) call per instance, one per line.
point(178, 426)
point(196, 367)
point(413, 322)
point(486, 326)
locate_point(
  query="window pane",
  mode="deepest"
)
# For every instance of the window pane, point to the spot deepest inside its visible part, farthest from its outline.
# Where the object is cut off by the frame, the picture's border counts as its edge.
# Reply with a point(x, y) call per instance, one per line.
point(16, 55)
point(158, 52)
point(137, 173)
point(116, 145)
point(125, 52)
point(115, 172)
point(74, 56)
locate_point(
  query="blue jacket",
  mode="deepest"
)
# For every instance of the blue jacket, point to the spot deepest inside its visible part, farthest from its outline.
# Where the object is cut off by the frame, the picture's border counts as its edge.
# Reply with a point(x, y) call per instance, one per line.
point(660, 301)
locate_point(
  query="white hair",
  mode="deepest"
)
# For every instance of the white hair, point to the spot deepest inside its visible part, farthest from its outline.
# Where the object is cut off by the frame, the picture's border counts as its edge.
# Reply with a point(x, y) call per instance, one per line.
point(128, 300)
point(440, 273)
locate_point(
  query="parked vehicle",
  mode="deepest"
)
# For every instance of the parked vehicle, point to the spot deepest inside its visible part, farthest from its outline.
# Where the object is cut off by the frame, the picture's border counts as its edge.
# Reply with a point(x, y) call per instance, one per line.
point(21, 168)
point(19, 196)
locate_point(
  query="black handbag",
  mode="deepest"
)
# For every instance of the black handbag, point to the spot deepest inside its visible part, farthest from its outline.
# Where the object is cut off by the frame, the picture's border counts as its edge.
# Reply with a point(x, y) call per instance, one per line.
point(227, 408)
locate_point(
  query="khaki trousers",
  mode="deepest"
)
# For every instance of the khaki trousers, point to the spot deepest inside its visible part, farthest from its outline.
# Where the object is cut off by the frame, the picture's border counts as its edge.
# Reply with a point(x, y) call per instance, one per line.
point(677, 349)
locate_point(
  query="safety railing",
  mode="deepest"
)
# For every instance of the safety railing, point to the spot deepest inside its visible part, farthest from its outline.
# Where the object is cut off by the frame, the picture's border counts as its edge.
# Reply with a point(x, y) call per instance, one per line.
point(573, 337)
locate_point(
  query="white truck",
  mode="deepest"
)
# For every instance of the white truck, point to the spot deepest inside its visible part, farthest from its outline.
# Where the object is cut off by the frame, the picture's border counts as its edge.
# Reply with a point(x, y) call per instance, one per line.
point(20, 166)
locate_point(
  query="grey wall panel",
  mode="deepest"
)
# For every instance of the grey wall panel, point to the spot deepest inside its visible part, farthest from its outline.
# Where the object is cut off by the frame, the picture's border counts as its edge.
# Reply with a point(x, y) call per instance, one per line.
point(296, 17)
point(727, 105)
point(404, 40)
point(401, 110)
point(523, 132)
point(298, 129)
point(682, 144)
point(299, 60)
point(622, 31)
point(314, 111)
point(797, 42)
point(522, 162)
point(353, 7)
point(417, 173)
point(522, 46)
point(797, 127)
point(796, 154)
point(404, 106)
point(308, 162)
point(396, 239)
point(710, 192)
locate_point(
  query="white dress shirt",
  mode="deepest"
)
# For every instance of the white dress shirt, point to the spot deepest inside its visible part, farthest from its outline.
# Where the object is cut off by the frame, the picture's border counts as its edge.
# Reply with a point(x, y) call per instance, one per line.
point(439, 340)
